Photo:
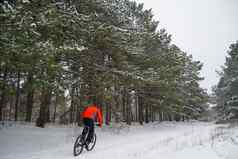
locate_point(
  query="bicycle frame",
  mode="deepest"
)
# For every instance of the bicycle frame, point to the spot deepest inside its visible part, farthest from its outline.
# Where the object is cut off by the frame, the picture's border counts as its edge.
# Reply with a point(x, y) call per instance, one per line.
point(82, 139)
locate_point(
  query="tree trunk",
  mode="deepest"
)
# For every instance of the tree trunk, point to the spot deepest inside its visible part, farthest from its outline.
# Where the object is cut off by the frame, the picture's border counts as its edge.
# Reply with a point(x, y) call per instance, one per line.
point(153, 114)
point(72, 106)
point(3, 94)
point(11, 107)
point(117, 112)
point(128, 108)
point(162, 116)
point(48, 104)
point(170, 117)
point(30, 98)
point(124, 104)
point(78, 105)
point(140, 109)
point(81, 106)
point(48, 111)
point(108, 114)
point(17, 96)
point(45, 102)
point(29, 105)
point(137, 111)
point(146, 114)
point(55, 108)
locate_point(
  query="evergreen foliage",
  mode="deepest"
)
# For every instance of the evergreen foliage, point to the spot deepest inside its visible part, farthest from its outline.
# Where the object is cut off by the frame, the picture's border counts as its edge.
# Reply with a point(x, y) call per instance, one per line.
point(53, 53)
point(227, 88)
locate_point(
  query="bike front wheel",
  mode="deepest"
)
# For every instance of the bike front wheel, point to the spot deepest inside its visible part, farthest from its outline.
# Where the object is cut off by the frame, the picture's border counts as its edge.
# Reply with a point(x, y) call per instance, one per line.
point(78, 146)
point(92, 144)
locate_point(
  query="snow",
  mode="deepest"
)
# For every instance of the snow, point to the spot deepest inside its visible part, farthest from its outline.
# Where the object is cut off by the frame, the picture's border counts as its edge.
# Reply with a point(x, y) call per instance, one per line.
point(166, 140)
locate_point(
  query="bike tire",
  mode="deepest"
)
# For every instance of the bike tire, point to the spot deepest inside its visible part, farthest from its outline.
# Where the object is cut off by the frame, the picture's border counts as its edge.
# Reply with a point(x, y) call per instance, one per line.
point(92, 144)
point(78, 147)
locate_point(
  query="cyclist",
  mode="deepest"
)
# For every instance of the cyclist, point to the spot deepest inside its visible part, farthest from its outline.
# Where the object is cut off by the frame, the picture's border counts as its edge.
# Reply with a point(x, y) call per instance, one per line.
point(91, 114)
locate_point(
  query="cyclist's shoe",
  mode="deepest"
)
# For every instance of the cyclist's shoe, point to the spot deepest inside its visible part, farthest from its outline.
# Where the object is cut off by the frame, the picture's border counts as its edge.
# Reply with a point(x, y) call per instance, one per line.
point(88, 142)
point(79, 144)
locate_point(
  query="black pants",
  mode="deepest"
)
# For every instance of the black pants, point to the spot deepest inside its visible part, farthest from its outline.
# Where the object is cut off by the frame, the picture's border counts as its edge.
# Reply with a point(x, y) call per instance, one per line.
point(90, 124)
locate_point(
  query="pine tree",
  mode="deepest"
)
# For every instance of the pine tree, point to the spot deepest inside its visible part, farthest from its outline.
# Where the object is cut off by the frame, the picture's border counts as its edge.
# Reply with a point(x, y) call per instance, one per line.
point(226, 90)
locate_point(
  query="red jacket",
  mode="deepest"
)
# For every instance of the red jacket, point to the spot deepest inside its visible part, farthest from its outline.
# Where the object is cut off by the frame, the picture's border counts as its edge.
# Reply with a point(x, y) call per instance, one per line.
point(93, 112)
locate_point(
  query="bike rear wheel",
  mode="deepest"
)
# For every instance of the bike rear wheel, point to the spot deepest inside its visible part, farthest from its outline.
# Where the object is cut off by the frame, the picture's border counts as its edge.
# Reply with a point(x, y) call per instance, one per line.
point(78, 146)
point(92, 144)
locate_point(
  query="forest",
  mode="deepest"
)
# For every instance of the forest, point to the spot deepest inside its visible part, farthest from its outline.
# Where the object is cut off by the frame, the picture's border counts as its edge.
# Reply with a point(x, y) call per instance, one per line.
point(53, 53)
point(226, 91)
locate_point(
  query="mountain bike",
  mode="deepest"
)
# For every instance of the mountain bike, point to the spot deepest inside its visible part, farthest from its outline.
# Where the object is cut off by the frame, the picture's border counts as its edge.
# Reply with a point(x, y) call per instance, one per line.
point(81, 143)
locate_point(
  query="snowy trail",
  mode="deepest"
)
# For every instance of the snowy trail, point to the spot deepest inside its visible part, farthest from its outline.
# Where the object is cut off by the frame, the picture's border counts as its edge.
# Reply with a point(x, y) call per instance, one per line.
point(164, 140)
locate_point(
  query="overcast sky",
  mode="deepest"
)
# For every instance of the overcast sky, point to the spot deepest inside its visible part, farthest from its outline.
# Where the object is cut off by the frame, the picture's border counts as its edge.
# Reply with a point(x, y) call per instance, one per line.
point(203, 28)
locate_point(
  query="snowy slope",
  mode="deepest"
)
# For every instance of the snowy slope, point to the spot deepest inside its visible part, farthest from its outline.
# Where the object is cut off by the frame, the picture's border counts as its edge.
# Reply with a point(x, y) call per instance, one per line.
point(167, 140)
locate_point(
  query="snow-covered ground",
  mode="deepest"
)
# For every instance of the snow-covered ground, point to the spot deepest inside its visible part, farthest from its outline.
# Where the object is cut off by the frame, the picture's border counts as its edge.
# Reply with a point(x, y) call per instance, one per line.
point(166, 140)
